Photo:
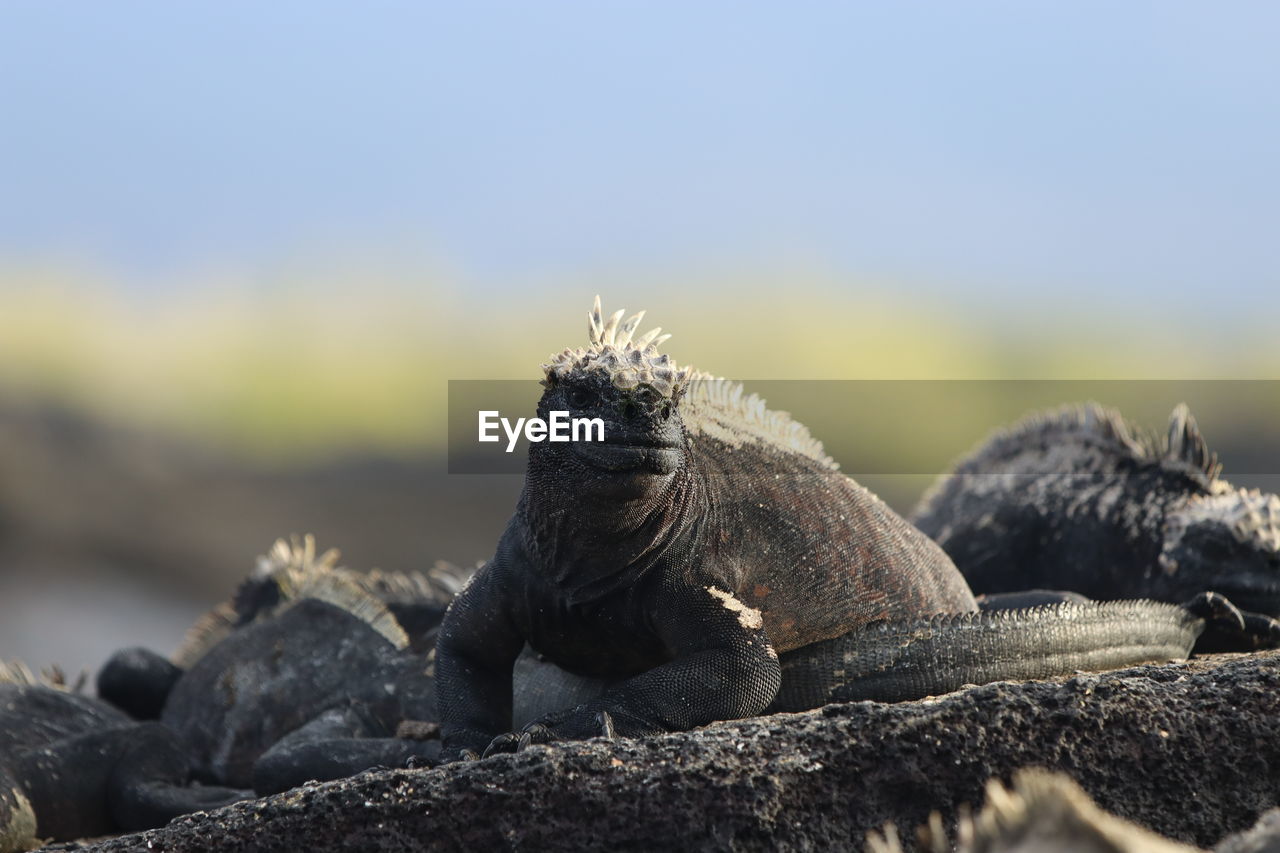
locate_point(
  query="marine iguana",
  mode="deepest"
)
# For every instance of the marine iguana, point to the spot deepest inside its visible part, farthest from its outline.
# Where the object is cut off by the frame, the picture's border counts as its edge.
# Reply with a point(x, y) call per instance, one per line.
point(72, 766)
point(708, 561)
point(1080, 499)
point(307, 673)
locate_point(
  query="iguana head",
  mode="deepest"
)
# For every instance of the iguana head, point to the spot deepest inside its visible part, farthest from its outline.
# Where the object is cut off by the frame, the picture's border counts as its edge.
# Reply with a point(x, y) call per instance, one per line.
point(1228, 542)
point(621, 379)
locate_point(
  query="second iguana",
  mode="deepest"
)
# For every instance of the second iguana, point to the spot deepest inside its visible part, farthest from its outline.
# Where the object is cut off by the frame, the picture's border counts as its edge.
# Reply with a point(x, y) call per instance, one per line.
point(1079, 498)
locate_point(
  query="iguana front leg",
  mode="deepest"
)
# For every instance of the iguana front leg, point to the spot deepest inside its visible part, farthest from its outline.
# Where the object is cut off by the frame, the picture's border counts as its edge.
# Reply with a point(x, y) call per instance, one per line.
point(722, 667)
point(475, 653)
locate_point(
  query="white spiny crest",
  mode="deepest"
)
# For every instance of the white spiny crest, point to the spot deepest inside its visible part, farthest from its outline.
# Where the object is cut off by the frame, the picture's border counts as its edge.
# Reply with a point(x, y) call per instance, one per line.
point(614, 349)
point(296, 556)
point(724, 410)
point(298, 573)
point(17, 672)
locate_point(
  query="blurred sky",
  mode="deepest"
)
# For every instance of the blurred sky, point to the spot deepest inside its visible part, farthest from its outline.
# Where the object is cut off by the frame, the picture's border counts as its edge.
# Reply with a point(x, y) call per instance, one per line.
point(993, 149)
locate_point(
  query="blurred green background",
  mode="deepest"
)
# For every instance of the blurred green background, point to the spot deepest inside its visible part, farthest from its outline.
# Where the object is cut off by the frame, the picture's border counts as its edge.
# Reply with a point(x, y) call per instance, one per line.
point(243, 249)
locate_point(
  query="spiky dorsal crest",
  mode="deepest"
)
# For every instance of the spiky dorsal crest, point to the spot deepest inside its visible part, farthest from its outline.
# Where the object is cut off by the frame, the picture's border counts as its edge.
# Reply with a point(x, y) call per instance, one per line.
point(17, 672)
point(297, 572)
point(439, 584)
point(295, 557)
point(301, 574)
point(1185, 443)
point(722, 409)
point(614, 351)
point(1184, 447)
point(342, 590)
point(284, 566)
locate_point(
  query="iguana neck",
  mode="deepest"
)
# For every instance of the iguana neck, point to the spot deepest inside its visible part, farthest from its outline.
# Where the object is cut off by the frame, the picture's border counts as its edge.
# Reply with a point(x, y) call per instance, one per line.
point(590, 546)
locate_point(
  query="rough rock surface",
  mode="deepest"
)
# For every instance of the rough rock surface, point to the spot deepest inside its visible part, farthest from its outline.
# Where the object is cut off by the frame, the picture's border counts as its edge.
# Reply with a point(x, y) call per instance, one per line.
point(1189, 750)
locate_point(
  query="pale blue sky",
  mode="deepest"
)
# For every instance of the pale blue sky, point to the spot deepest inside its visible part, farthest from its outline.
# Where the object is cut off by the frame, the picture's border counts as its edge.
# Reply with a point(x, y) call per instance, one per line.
point(1101, 147)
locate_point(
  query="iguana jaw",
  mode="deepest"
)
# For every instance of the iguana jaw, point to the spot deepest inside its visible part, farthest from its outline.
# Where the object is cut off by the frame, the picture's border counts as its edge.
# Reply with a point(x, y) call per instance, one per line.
point(640, 458)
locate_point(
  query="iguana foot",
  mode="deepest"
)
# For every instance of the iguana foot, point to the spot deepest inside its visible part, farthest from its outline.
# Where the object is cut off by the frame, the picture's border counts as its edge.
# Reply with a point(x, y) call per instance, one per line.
point(1230, 629)
point(503, 743)
point(1216, 610)
point(534, 733)
point(544, 731)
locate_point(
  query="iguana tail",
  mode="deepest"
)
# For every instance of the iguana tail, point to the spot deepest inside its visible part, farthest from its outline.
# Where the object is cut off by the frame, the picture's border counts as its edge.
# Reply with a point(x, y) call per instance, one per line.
point(897, 661)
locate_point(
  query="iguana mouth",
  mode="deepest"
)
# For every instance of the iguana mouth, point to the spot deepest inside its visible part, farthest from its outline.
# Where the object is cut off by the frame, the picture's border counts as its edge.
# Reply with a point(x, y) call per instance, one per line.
point(653, 457)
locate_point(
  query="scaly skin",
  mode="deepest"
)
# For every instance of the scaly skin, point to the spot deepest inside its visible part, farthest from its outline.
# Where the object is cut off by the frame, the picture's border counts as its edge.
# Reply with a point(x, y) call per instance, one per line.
point(708, 560)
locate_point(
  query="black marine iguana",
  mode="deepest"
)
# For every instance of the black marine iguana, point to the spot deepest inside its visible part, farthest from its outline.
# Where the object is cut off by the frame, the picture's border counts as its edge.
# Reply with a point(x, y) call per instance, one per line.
point(709, 562)
point(72, 766)
point(1080, 499)
point(307, 673)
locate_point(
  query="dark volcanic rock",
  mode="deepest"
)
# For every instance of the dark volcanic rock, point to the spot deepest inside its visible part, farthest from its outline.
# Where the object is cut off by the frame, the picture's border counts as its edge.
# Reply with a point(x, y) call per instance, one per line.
point(1189, 750)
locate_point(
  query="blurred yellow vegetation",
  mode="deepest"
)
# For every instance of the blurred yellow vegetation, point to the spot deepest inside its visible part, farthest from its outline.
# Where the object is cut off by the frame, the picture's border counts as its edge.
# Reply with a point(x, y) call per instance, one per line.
point(297, 370)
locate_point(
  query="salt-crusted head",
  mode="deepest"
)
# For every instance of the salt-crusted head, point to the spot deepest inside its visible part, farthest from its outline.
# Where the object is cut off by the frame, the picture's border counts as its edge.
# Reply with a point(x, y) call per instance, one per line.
point(1229, 540)
point(628, 361)
point(631, 393)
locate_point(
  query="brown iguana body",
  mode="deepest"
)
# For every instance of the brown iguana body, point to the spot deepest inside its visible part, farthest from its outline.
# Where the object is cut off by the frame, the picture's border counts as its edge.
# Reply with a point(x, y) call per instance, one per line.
point(708, 561)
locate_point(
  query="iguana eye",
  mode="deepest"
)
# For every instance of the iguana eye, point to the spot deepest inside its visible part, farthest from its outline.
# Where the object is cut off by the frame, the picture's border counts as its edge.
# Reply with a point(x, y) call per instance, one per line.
point(579, 398)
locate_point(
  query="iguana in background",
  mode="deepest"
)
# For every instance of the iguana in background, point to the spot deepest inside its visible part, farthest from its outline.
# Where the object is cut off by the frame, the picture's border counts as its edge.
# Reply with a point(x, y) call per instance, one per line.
point(1080, 499)
point(1041, 812)
point(72, 766)
point(307, 673)
point(708, 561)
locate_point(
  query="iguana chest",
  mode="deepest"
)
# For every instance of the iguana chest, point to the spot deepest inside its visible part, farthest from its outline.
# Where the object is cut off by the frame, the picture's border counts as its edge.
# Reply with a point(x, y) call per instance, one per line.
point(605, 638)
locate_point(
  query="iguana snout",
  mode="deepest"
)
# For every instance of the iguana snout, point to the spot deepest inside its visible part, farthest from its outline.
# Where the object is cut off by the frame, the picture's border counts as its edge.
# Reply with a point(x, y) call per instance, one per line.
point(634, 429)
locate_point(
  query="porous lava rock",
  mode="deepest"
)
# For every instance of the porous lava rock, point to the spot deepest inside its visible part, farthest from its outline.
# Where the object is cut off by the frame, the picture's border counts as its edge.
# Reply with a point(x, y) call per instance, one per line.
point(1188, 750)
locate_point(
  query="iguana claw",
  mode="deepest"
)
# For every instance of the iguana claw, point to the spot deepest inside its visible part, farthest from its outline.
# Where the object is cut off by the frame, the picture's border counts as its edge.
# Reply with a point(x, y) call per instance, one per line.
point(535, 733)
point(508, 742)
point(1217, 610)
point(1227, 627)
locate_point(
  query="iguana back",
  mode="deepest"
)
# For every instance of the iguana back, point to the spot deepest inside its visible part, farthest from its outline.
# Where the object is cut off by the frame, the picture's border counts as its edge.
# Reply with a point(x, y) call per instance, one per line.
point(811, 549)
